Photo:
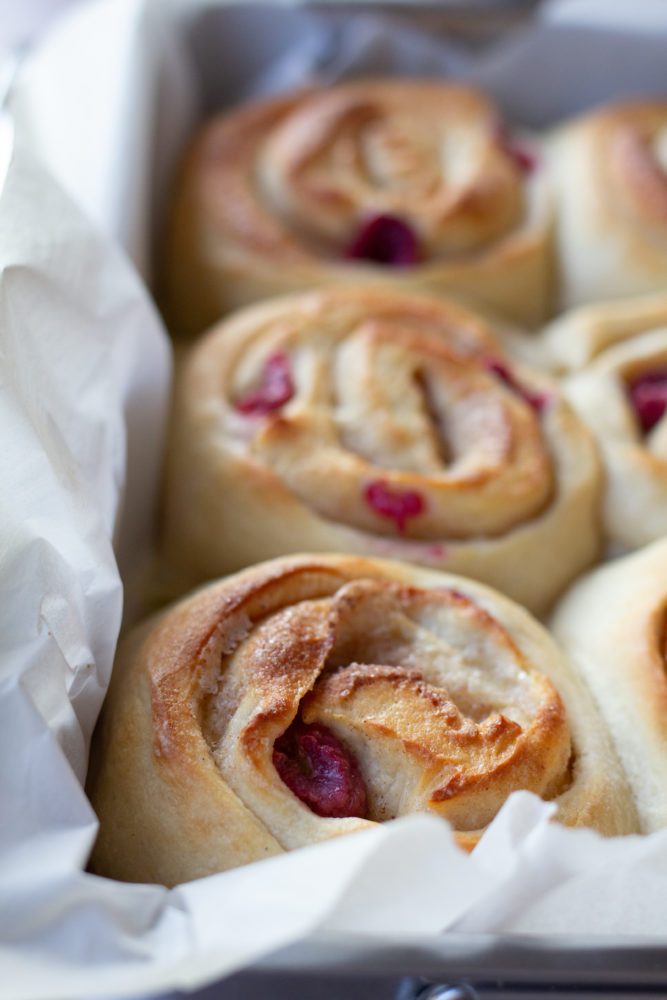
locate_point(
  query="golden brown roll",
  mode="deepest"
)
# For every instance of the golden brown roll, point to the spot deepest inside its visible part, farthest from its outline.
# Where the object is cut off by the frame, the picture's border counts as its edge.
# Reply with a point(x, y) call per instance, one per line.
point(416, 184)
point(612, 625)
point(356, 420)
point(622, 396)
point(313, 696)
point(609, 169)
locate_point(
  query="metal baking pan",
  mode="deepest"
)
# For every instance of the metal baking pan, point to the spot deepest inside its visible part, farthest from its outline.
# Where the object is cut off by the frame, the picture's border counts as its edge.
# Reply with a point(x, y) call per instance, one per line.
point(454, 966)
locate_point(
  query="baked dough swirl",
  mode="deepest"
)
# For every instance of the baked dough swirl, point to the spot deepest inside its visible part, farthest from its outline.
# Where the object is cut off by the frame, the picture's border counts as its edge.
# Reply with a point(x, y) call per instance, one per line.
point(413, 183)
point(363, 421)
point(314, 696)
point(609, 169)
point(621, 395)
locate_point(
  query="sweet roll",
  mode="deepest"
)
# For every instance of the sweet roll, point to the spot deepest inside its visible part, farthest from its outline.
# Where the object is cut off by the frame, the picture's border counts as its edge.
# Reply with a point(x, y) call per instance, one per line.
point(609, 172)
point(621, 395)
point(314, 696)
point(612, 625)
point(357, 420)
point(417, 184)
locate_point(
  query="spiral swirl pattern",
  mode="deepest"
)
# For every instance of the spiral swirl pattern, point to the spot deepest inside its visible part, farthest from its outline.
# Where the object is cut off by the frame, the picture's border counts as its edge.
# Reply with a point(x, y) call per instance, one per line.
point(441, 694)
point(392, 425)
point(622, 396)
point(274, 197)
point(354, 152)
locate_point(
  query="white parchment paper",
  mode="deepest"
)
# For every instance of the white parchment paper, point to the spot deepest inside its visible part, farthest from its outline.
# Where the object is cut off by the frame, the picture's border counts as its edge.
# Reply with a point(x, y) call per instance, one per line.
point(100, 113)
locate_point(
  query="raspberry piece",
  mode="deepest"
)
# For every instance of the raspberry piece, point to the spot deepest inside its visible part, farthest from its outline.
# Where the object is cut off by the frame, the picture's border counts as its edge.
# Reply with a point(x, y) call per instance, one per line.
point(274, 390)
point(648, 395)
point(397, 505)
point(385, 239)
point(537, 400)
point(320, 771)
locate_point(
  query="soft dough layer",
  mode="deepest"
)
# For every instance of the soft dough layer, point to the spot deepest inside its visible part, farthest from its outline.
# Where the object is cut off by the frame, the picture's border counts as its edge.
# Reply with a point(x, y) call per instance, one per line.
point(375, 689)
point(609, 170)
point(612, 625)
point(417, 184)
point(385, 424)
point(579, 336)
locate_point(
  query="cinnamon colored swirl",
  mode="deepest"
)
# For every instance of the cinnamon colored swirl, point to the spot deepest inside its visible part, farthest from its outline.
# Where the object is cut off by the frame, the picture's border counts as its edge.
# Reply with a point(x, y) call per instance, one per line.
point(415, 184)
point(357, 420)
point(612, 624)
point(610, 175)
point(314, 696)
